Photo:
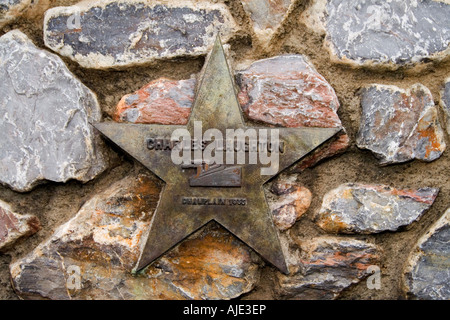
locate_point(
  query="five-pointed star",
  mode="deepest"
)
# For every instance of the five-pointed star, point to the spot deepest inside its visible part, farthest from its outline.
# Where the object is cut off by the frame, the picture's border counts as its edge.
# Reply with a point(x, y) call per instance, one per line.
point(217, 107)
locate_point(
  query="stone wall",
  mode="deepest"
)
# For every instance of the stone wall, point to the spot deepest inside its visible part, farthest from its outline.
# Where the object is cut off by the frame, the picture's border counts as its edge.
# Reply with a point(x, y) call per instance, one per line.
point(365, 216)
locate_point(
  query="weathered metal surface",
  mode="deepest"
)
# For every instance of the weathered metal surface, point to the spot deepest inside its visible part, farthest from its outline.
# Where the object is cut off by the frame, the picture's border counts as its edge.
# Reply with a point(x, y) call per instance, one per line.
point(184, 208)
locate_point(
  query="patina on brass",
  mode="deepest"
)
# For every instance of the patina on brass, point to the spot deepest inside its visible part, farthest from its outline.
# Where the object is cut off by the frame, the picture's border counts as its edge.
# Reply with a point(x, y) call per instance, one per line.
point(196, 194)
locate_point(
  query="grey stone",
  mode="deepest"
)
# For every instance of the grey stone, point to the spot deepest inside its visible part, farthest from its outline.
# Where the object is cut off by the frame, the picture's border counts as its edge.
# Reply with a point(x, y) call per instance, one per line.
point(427, 272)
point(360, 208)
point(267, 15)
point(92, 256)
point(445, 102)
point(14, 226)
point(119, 33)
point(399, 125)
point(388, 33)
point(326, 266)
point(11, 10)
point(162, 101)
point(45, 115)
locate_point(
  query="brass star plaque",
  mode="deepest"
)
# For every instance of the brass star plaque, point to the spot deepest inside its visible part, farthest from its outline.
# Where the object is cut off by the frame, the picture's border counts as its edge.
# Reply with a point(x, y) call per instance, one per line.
point(198, 191)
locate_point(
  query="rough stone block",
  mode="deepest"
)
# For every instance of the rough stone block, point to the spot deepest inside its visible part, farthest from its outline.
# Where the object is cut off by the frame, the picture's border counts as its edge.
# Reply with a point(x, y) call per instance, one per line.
point(360, 208)
point(162, 101)
point(376, 33)
point(122, 33)
point(291, 202)
point(287, 91)
point(267, 15)
point(45, 118)
point(326, 266)
point(14, 226)
point(445, 102)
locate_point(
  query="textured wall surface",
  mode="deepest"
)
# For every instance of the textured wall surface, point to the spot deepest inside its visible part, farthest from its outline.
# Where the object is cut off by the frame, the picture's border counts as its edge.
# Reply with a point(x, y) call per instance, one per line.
point(364, 216)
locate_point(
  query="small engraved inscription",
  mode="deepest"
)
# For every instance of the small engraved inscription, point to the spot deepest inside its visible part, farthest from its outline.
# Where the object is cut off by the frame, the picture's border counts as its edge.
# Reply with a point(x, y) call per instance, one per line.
point(197, 201)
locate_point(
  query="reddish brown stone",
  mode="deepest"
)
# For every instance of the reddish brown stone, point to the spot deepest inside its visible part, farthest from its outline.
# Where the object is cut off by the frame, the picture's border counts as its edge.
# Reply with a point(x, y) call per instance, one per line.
point(287, 91)
point(12, 9)
point(162, 101)
point(445, 102)
point(14, 226)
point(292, 202)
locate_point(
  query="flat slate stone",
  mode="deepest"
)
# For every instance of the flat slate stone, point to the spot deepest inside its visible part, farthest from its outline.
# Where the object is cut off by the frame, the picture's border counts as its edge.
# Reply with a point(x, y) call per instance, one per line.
point(382, 33)
point(162, 101)
point(445, 102)
point(11, 10)
point(399, 125)
point(360, 208)
point(102, 243)
point(121, 33)
point(326, 266)
point(267, 15)
point(45, 116)
point(427, 274)
point(14, 226)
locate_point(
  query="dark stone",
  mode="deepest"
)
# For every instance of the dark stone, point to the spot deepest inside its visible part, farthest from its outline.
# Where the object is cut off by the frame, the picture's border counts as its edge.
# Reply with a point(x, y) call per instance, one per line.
point(114, 33)
point(427, 274)
point(360, 208)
